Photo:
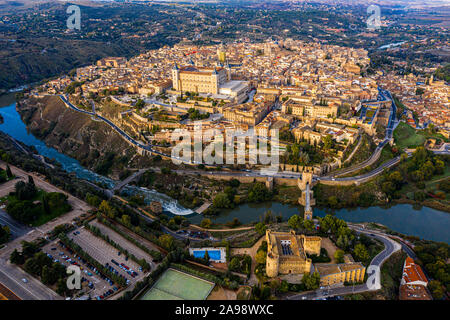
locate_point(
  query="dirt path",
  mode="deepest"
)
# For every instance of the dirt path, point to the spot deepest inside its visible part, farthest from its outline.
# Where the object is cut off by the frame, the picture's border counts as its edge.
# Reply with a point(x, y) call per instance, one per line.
point(221, 230)
point(330, 247)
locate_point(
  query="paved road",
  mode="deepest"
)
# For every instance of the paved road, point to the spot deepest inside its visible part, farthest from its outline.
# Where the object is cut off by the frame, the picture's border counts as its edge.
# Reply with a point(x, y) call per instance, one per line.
point(390, 246)
point(11, 277)
point(377, 152)
point(17, 229)
point(365, 176)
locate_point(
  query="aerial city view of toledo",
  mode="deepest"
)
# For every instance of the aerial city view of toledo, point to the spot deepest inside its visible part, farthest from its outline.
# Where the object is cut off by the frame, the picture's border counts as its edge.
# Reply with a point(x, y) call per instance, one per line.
point(224, 150)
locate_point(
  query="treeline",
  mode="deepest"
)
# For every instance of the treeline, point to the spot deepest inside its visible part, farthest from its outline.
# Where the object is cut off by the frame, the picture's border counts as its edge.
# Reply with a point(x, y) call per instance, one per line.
point(421, 167)
point(226, 280)
point(96, 231)
point(156, 255)
point(27, 204)
point(434, 258)
point(55, 176)
point(229, 198)
point(38, 264)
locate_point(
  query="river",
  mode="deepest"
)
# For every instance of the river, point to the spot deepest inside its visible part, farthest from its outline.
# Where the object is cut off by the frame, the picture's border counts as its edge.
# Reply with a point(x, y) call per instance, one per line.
point(425, 222)
point(14, 126)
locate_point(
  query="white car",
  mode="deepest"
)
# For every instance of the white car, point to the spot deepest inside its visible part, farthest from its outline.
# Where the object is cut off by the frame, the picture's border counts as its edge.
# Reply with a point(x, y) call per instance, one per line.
point(24, 280)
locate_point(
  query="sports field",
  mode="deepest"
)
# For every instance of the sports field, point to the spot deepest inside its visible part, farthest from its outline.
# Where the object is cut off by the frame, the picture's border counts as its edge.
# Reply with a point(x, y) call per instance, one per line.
point(176, 285)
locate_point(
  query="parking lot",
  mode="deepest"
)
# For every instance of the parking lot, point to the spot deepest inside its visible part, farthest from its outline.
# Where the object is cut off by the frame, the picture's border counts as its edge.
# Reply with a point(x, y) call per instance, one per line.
point(107, 255)
point(93, 283)
point(124, 243)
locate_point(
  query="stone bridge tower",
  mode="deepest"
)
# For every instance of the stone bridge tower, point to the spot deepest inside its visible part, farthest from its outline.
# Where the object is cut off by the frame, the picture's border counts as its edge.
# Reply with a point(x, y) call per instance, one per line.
point(305, 183)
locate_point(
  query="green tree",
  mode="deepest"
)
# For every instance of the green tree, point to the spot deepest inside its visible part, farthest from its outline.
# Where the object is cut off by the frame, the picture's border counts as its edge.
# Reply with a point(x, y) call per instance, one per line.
point(126, 220)
point(5, 234)
point(45, 275)
point(8, 172)
point(327, 142)
point(105, 207)
point(221, 200)
point(311, 281)
point(361, 253)
point(16, 257)
point(436, 289)
point(261, 257)
point(339, 256)
point(32, 267)
point(206, 223)
point(166, 241)
point(61, 287)
point(333, 201)
point(295, 222)
point(258, 192)
point(308, 225)
point(235, 264)
point(260, 228)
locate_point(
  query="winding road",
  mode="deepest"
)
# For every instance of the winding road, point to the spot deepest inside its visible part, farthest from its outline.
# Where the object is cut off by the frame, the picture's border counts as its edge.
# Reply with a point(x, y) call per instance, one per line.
point(373, 271)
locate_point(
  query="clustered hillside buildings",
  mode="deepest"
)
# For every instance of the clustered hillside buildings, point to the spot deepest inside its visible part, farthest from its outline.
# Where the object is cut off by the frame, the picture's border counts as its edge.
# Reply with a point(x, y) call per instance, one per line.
point(313, 90)
point(427, 97)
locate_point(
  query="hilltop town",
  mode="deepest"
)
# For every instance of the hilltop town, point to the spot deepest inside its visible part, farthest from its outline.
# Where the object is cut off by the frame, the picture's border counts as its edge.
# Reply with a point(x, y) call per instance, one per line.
point(268, 151)
point(314, 93)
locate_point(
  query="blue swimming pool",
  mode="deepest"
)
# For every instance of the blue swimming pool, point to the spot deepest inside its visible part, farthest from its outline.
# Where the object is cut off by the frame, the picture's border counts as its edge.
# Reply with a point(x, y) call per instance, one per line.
point(213, 254)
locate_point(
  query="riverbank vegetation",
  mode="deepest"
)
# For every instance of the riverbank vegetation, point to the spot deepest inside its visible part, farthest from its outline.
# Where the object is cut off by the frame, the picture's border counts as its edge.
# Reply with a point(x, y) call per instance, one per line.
point(55, 176)
point(186, 190)
point(418, 179)
point(421, 179)
point(337, 197)
point(433, 257)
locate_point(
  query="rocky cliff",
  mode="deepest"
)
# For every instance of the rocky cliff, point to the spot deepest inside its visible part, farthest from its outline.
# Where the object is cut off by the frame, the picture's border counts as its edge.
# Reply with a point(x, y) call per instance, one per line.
point(93, 143)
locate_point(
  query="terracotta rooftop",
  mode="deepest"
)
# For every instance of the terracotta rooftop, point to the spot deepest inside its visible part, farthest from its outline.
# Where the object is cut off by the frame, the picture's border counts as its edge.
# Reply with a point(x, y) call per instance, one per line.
point(413, 272)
